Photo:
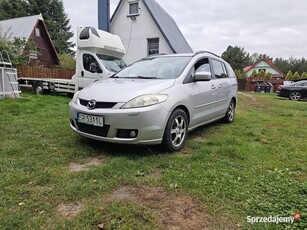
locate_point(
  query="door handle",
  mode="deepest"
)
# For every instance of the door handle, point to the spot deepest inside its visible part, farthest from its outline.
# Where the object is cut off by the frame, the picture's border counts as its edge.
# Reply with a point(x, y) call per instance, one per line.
point(213, 87)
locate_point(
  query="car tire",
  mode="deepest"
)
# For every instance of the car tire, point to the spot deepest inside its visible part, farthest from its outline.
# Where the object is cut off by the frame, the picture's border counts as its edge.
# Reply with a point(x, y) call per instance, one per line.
point(176, 131)
point(295, 96)
point(230, 114)
point(38, 88)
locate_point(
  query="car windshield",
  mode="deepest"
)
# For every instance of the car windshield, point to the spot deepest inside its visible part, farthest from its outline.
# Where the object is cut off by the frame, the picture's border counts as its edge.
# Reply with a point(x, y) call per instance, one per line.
point(155, 68)
point(111, 63)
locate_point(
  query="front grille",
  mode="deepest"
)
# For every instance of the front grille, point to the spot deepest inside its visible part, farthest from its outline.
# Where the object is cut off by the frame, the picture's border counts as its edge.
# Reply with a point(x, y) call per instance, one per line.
point(99, 105)
point(94, 130)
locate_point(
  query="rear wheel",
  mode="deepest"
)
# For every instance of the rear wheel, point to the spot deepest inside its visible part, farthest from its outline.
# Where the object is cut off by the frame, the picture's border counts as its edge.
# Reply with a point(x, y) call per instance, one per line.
point(295, 96)
point(38, 88)
point(230, 114)
point(176, 131)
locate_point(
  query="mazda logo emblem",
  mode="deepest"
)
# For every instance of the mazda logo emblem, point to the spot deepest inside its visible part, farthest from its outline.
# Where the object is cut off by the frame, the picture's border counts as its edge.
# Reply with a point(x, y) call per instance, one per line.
point(91, 104)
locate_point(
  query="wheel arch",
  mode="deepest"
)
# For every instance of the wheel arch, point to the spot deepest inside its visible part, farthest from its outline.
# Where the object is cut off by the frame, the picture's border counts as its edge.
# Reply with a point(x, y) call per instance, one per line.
point(185, 109)
point(234, 100)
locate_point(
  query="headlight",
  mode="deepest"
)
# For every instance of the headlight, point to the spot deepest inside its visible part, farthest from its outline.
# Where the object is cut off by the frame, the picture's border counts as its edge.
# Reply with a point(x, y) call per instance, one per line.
point(145, 100)
point(75, 98)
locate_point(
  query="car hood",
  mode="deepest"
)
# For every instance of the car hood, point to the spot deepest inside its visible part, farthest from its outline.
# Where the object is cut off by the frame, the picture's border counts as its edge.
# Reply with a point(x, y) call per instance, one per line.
point(123, 90)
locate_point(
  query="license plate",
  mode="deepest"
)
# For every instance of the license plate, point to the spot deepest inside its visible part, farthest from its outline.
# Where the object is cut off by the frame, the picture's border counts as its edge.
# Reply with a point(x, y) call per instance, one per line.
point(90, 120)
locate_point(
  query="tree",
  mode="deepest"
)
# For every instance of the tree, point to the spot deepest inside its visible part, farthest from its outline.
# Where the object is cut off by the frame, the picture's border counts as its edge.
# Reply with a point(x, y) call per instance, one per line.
point(261, 73)
point(54, 15)
point(282, 64)
point(268, 75)
point(256, 57)
point(296, 76)
point(240, 74)
point(289, 75)
point(304, 75)
point(236, 57)
point(18, 49)
point(67, 61)
point(254, 73)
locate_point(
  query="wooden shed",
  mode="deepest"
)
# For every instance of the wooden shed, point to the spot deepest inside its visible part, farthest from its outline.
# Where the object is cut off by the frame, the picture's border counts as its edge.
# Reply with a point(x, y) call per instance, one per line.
point(32, 27)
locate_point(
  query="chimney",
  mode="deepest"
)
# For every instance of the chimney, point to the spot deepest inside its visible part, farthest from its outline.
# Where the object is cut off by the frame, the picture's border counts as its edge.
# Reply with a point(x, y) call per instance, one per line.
point(104, 15)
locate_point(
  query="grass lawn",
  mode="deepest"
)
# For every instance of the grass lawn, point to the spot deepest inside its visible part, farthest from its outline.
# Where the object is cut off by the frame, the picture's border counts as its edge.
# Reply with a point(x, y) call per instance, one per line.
point(51, 178)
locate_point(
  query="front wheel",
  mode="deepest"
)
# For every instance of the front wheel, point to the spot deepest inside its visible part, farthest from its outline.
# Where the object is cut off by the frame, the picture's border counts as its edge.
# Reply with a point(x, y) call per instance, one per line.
point(295, 96)
point(230, 114)
point(176, 131)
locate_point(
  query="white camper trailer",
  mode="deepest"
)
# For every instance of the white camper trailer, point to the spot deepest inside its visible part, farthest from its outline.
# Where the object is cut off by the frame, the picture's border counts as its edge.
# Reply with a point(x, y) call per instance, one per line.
point(99, 55)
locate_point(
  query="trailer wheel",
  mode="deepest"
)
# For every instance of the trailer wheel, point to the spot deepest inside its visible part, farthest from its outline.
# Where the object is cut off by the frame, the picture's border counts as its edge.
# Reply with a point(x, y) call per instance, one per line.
point(38, 88)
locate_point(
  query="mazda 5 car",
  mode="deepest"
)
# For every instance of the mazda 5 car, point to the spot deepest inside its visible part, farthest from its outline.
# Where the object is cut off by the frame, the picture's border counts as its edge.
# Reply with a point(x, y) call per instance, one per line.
point(157, 100)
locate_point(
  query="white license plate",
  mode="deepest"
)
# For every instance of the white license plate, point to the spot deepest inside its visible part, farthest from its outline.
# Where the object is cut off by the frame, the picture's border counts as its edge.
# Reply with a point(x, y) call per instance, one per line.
point(90, 120)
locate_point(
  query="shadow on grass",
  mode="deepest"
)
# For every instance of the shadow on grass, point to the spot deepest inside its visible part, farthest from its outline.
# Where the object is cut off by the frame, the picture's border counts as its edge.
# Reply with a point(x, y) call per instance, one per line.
point(131, 151)
point(140, 151)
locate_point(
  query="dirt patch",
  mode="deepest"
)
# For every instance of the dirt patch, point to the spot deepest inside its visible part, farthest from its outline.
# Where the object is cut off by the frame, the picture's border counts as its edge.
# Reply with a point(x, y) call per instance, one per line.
point(174, 211)
point(71, 210)
point(248, 95)
point(74, 167)
point(157, 174)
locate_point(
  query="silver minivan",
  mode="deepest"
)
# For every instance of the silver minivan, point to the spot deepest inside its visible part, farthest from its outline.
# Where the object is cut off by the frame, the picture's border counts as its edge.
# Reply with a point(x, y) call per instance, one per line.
point(157, 100)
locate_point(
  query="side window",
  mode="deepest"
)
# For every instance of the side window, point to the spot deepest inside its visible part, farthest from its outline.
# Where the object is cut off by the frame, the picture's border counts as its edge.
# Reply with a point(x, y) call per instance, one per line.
point(90, 64)
point(219, 69)
point(202, 66)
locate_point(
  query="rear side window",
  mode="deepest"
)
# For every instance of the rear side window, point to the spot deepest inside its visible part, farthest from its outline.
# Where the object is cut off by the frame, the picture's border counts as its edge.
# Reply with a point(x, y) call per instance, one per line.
point(219, 69)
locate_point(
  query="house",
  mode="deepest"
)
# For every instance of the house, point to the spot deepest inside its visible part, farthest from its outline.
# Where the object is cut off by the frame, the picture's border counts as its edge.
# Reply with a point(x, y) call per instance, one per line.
point(267, 66)
point(32, 27)
point(146, 29)
point(252, 84)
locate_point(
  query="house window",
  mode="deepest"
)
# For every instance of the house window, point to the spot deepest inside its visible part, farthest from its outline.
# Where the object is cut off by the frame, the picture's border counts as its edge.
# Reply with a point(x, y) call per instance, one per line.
point(37, 32)
point(133, 8)
point(153, 46)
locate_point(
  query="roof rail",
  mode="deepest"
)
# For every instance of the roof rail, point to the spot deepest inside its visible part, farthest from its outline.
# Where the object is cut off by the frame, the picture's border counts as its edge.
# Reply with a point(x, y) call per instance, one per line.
point(203, 51)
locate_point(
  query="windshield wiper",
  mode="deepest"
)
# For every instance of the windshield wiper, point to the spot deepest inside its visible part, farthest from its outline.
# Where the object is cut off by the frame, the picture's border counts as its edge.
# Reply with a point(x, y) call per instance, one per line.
point(142, 77)
point(111, 69)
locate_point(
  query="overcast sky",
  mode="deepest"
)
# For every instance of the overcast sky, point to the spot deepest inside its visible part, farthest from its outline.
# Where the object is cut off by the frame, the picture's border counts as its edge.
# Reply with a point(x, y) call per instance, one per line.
point(277, 28)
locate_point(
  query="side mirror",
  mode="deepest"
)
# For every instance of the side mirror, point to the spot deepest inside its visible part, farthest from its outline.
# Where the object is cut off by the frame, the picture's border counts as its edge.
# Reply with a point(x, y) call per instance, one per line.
point(202, 76)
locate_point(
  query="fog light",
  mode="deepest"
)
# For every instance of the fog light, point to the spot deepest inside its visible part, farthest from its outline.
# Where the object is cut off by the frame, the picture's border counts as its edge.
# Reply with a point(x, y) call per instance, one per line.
point(133, 134)
point(127, 133)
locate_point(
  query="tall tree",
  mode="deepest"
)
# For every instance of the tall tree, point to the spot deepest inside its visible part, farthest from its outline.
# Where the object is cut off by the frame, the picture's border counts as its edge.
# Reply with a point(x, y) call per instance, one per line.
point(237, 57)
point(54, 16)
point(256, 57)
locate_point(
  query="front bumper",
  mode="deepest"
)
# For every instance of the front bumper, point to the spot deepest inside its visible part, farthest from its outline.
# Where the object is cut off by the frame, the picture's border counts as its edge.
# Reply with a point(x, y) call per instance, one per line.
point(149, 122)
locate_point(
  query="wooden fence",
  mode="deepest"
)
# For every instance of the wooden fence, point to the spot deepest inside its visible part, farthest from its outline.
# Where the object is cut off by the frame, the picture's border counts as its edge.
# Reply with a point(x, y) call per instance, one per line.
point(42, 72)
point(250, 83)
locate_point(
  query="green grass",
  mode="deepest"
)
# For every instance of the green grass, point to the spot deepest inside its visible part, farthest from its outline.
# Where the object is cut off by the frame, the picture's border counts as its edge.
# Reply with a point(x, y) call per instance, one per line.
point(256, 166)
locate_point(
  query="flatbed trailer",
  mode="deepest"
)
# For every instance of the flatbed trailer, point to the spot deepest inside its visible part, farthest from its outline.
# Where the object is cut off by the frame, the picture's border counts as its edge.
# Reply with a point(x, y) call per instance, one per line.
point(41, 85)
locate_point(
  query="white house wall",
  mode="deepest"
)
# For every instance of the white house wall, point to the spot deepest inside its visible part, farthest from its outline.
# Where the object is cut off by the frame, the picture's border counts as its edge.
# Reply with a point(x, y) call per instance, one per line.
point(134, 33)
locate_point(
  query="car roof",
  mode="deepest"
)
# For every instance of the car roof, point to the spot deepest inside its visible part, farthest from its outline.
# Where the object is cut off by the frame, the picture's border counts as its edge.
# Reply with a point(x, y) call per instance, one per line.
point(199, 53)
point(298, 82)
